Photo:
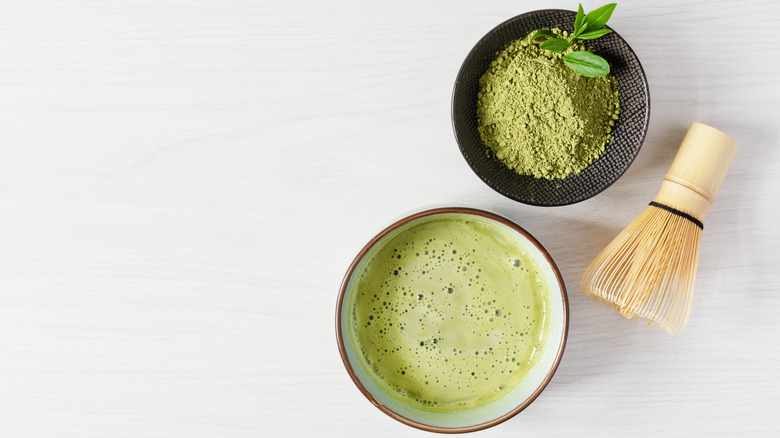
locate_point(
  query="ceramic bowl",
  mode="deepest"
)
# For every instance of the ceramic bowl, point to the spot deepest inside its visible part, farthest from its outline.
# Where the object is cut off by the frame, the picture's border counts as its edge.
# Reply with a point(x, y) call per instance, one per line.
point(628, 133)
point(487, 415)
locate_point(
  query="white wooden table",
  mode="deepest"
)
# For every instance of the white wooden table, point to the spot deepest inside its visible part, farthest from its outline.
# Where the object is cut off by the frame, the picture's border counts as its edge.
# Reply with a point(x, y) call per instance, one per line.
point(183, 185)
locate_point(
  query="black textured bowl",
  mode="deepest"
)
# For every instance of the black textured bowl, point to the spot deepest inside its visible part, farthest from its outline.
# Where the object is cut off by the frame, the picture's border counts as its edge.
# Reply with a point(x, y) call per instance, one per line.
point(627, 135)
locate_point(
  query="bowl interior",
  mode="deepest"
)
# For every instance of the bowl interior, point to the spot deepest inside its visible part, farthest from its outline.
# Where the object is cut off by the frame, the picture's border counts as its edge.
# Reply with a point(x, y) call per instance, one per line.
point(628, 133)
point(486, 415)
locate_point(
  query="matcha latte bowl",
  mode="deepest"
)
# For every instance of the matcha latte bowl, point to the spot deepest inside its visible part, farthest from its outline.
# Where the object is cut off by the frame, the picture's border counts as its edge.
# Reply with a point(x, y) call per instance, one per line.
point(452, 320)
point(628, 133)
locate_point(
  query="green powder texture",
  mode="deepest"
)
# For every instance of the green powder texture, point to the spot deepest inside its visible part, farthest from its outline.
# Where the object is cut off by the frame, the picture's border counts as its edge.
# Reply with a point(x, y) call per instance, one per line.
point(541, 118)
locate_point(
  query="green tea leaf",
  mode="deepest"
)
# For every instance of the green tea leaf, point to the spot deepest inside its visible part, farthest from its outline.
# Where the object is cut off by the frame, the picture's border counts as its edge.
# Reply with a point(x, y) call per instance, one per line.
point(542, 32)
point(578, 32)
point(555, 44)
point(578, 20)
point(587, 64)
point(597, 18)
point(594, 34)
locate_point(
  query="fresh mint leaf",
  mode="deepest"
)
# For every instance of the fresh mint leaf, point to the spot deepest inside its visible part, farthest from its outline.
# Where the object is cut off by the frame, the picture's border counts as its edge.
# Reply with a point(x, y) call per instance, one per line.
point(587, 64)
point(542, 32)
point(594, 34)
point(597, 18)
point(555, 44)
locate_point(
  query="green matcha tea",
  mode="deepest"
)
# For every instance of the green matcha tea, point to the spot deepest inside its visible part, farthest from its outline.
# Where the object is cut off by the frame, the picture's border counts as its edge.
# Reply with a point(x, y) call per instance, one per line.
point(541, 118)
point(448, 312)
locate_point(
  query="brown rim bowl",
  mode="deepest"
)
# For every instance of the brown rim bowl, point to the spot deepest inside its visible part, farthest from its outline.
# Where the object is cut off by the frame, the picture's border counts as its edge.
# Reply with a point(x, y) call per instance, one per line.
point(497, 411)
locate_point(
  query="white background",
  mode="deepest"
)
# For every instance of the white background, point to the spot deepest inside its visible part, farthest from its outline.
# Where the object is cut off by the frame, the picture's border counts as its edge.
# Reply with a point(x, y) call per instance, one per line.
point(184, 183)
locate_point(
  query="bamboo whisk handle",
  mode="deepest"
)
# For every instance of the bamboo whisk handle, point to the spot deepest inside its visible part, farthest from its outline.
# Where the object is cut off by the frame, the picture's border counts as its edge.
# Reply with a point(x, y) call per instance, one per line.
point(698, 170)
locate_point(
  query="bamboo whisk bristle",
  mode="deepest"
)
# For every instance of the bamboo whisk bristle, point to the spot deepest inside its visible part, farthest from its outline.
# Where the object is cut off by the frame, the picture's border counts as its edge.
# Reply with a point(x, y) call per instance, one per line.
point(648, 271)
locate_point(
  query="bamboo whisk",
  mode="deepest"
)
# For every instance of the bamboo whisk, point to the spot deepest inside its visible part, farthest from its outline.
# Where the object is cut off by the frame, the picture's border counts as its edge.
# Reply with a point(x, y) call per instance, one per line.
point(648, 271)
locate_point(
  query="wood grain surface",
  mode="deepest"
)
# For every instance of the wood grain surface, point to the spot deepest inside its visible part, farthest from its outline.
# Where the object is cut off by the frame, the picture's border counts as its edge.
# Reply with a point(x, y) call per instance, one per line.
point(183, 185)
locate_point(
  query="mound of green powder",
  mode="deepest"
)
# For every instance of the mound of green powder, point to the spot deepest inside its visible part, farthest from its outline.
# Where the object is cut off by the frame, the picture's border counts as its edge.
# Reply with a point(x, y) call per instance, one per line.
point(541, 118)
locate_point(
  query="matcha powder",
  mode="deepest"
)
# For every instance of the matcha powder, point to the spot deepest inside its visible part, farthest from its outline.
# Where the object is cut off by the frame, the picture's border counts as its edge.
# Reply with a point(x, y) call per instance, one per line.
point(541, 118)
